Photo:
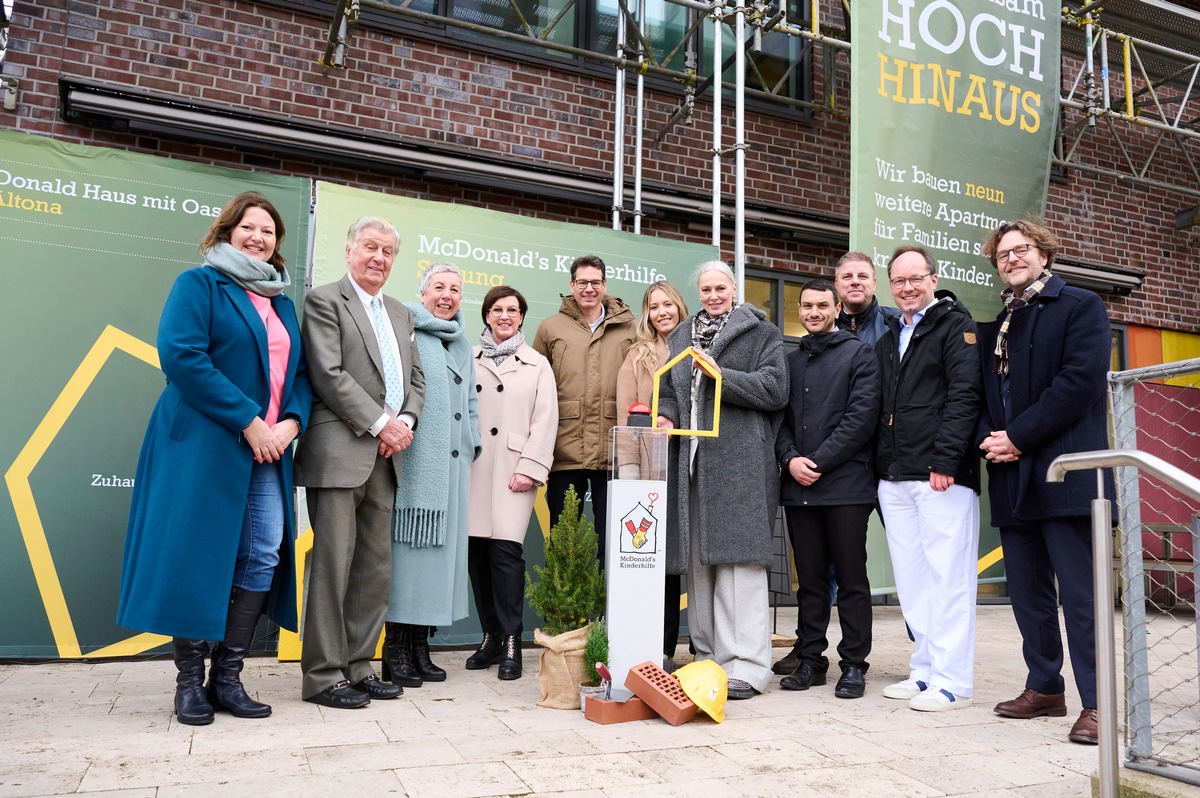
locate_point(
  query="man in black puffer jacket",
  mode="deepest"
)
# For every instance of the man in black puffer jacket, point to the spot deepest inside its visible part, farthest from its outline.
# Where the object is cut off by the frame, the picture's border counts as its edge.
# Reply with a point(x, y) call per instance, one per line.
point(826, 449)
point(929, 478)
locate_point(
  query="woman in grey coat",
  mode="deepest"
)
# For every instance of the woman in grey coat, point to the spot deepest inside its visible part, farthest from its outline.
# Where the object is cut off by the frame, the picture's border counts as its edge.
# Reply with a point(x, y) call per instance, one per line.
point(724, 491)
point(429, 523)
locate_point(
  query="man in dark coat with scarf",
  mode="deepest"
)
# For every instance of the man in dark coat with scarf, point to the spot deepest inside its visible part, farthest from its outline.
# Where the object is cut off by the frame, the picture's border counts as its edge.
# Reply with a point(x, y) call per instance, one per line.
point(828, 487)
point(929, 479)
point(1044, 363)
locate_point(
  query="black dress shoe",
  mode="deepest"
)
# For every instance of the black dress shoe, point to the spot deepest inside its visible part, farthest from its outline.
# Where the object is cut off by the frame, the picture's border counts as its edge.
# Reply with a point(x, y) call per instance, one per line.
point(340, 696)
point(375, 688)
point(806, 676)
point(852, 684)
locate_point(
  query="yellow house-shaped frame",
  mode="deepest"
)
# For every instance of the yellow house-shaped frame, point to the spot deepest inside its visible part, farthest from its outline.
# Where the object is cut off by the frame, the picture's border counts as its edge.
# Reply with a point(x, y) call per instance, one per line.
point(703, 365)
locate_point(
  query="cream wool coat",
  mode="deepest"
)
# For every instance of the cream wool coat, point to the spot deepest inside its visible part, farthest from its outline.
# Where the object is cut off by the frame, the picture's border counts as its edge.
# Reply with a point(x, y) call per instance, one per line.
point(518, 420)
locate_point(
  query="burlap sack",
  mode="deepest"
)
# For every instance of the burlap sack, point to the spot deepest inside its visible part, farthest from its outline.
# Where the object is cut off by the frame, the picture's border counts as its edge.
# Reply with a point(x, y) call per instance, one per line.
point(562, 668)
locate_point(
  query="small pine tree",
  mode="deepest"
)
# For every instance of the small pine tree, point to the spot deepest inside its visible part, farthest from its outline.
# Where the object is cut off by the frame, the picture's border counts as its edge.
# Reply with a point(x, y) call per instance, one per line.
point(595, 650)
point(569, 591)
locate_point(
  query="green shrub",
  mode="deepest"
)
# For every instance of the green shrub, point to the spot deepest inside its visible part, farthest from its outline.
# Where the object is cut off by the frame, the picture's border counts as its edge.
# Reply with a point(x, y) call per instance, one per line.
point(596, 650)
point(569, 591)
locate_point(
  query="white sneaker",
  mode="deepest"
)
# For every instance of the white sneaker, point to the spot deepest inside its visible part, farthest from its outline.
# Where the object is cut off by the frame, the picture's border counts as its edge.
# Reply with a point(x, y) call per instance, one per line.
point(905, 690)
point(936, 699)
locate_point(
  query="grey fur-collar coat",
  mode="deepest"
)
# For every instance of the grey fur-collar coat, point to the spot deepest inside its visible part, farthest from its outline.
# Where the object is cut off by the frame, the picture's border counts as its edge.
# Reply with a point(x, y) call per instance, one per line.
point(736, 476)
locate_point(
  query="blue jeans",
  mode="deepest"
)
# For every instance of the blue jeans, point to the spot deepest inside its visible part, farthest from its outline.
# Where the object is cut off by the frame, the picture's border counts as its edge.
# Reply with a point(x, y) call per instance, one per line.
point(262, 530)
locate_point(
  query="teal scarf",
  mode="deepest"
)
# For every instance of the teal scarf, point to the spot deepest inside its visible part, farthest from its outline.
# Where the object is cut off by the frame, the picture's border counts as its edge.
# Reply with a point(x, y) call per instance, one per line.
point(250, 273)
point(423, 493)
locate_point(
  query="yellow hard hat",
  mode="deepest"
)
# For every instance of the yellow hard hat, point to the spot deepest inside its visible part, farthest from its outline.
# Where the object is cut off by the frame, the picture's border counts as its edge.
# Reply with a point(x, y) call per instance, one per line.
point(706, 683)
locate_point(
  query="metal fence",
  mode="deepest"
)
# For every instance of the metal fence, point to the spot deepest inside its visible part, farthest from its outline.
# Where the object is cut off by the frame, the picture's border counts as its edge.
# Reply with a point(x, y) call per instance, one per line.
point(1157, 410)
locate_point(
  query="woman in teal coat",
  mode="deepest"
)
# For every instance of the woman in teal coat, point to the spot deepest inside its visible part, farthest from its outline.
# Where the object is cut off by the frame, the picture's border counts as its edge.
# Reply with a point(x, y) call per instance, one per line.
point(429, 540)
point(212, 522)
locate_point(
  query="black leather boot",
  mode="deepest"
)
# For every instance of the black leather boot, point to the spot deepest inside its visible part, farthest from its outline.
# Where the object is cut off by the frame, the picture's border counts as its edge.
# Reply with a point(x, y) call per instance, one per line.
point(420, 650)
point(398, 665)
point(488, 653)
point(191, 704)
point(225, 690)
point(510, 664)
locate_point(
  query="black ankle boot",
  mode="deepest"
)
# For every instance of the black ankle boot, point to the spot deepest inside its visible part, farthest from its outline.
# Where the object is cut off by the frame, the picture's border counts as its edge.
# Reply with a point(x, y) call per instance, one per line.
point(225, 690)
point(398, 665)
point(191, 704)
point(510, 664)
point(488, 653)
point(421, 661)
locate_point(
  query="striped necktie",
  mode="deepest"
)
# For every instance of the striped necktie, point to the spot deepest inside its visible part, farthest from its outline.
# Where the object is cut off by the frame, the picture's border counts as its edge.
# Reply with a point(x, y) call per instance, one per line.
point(391, 370)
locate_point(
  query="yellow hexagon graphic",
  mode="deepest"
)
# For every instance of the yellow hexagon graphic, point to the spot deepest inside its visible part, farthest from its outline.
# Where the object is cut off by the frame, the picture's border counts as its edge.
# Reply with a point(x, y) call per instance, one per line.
point(30, 521)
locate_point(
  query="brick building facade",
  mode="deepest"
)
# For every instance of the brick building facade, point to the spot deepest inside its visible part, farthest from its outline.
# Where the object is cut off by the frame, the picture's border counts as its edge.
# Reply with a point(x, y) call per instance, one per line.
point(482, 103)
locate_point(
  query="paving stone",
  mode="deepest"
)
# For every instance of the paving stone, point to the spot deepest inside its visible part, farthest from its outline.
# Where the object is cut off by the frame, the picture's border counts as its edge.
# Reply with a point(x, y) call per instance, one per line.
point(604, 771)
point(462, 781)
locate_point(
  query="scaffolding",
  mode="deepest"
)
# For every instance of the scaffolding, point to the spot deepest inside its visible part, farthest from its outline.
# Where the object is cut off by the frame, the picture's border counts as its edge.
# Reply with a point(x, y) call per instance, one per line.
point(1155, 88)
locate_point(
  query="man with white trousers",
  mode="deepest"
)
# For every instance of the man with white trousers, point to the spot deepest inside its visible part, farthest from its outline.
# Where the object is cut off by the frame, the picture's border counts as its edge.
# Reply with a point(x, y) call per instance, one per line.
point(929, 479)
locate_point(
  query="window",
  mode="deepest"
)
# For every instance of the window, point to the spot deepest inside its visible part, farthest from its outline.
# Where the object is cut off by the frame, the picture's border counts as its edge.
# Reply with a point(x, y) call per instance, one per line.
point(780, 67)
point(778, 296)
point(552, 20)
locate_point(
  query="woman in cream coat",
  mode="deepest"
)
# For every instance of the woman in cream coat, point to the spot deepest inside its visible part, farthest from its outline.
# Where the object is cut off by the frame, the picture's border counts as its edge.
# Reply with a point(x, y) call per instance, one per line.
point(518, 419)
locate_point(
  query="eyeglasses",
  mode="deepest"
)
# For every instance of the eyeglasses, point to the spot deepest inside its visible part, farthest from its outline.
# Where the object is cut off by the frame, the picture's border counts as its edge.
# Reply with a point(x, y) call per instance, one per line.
point(588, 283)
point(1016, 252)
point(495, 311)
point(915, 282)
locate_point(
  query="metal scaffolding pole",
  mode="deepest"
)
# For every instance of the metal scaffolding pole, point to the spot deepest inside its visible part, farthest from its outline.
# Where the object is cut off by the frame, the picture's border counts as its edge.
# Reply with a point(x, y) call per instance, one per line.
point(639, 116)
point(718, 14)
point(619, 128)
point(739, 144)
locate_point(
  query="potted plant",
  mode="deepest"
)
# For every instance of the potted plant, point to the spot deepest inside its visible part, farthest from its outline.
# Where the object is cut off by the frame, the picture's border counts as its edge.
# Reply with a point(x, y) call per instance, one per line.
point(595, 649)
point(568, 593)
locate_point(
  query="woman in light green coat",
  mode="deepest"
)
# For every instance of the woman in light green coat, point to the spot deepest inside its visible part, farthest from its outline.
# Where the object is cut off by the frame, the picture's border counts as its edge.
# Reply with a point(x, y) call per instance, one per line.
point(429, 525)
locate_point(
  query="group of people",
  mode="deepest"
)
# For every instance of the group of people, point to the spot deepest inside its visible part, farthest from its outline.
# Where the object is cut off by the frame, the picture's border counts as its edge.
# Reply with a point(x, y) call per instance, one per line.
point(421, 453)
point(892, 410)
point(210, 544)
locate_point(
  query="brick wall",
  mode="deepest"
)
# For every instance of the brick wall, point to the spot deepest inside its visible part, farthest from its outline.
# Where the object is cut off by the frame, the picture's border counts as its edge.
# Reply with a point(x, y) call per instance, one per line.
point(245, 55)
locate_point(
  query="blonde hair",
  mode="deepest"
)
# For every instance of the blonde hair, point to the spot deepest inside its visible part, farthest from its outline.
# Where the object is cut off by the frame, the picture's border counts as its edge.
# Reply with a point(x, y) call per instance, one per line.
point(644, 349)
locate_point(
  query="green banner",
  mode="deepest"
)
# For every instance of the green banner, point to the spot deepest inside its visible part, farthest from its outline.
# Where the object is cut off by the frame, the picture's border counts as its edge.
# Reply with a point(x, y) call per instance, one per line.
point(493, 248)
point(92, 239)
point(955, 104)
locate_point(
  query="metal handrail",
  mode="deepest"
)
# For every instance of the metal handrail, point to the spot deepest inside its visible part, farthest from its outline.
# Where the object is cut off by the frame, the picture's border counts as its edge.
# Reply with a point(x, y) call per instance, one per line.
point(1107, 458)
point(1106, 681)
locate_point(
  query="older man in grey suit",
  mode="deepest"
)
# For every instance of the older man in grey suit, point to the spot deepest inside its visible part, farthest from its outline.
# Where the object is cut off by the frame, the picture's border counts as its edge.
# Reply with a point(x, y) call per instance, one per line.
point(368, 392)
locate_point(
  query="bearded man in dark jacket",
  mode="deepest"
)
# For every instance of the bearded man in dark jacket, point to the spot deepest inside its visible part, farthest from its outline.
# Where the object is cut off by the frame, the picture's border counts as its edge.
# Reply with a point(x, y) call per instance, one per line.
point(1045, 361)
point(929, 479)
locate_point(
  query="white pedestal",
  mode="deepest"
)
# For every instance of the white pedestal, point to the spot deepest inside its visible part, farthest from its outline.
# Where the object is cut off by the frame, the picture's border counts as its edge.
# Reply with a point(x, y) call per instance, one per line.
point(636, 568)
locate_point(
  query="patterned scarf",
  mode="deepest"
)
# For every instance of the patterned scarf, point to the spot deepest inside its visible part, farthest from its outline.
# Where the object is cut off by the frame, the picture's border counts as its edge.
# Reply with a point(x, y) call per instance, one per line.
point(499, 352)
point(250, 273)
point(706, 328)
point(1011, 303)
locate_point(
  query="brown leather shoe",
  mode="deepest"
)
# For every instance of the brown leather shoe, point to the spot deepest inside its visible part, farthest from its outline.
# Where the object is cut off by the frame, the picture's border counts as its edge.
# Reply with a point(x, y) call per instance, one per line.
point(789, 663)
point(1032, 704)
point(1085, 730)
